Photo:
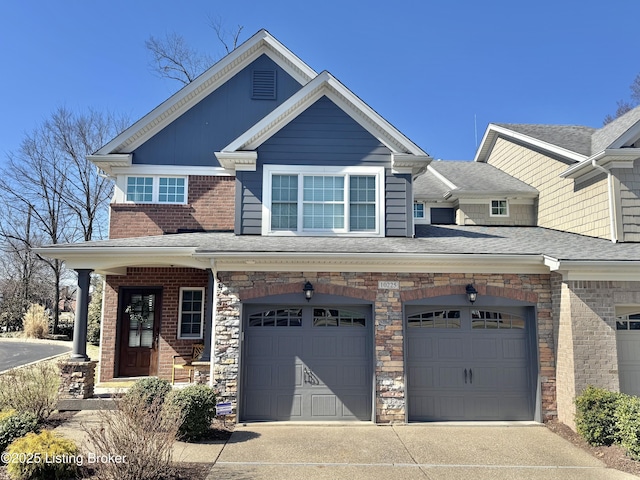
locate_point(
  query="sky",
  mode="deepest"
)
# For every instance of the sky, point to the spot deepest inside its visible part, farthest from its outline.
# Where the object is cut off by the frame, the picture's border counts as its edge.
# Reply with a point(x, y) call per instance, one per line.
point(439, 70)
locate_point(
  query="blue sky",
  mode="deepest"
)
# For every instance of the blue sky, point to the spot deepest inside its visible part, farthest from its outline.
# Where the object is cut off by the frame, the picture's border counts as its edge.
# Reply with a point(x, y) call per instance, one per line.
point(434, 69)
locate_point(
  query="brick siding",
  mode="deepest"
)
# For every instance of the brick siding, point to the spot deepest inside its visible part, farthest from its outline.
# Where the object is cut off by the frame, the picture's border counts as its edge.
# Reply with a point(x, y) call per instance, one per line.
point(210, 207)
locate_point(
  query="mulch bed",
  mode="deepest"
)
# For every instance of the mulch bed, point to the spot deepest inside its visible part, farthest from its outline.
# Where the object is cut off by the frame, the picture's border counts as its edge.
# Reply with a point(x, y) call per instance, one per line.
point(613, 456)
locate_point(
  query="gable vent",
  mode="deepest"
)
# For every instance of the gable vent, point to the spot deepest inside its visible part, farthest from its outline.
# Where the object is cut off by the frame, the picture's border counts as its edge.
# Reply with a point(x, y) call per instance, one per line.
point(263, 85)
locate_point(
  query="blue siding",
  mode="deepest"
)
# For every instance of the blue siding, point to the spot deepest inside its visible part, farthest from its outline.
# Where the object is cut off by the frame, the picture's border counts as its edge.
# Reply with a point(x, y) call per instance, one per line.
point(324, 135)
point(398, 202)
point(215, 121)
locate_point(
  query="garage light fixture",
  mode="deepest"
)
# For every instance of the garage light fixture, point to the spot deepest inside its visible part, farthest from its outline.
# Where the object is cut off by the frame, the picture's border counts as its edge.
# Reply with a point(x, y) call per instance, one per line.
point(472, 294)
point(308, 291)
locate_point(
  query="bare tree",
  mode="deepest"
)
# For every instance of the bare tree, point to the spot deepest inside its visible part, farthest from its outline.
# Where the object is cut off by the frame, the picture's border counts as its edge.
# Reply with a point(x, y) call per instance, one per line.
point(174, 59)
point(49, 183)
point(625, 105)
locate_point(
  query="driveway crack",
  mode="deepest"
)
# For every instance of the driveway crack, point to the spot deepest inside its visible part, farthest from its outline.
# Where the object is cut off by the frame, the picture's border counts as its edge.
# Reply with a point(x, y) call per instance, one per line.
point(404, 445)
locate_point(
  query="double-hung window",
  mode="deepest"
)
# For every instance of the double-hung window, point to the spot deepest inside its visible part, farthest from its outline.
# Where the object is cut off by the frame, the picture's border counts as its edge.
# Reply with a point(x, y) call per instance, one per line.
point(156, 189)
point(191, 315)
point(322, 200)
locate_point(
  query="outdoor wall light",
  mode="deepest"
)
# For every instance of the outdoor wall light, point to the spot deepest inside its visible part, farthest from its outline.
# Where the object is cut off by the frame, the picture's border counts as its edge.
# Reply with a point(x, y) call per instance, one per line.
point(308, 291)
point(472, 294)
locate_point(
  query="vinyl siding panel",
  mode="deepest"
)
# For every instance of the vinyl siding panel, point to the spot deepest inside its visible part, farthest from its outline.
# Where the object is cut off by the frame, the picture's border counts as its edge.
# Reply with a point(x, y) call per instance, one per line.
point(397, 198)
point(562, 205)
point(629, 190)
point(215, 121)
point(250, 221)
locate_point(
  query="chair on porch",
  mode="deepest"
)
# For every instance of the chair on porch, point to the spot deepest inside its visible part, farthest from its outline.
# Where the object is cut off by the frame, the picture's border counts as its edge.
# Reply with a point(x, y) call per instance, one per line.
point(187, 366)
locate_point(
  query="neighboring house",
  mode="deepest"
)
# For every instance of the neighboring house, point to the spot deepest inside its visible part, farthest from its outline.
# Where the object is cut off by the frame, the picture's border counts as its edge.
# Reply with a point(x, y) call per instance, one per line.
point(327, 263)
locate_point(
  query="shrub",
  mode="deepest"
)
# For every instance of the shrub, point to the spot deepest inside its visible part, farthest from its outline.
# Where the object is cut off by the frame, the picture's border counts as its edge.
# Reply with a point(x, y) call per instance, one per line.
point(143, 432)
point(95, 312)
point(36, 322)
point(32, 389)
point(6, 413)
point(595, 415)
point(14, 426)
point(41, 449)
point(151, 389)
point(627, 419)
point(198, 406)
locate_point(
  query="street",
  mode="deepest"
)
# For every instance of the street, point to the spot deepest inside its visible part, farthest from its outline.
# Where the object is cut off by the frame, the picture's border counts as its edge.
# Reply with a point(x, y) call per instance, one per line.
point(15, 353)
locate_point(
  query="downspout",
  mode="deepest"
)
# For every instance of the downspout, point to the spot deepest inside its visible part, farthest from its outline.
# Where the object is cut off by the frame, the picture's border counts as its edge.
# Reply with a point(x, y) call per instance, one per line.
point(214, 314)
point(612, 210)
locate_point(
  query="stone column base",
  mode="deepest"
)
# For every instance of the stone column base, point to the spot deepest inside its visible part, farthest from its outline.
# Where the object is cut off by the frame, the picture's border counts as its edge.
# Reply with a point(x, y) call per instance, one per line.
point(77, 380)
point(201, 372)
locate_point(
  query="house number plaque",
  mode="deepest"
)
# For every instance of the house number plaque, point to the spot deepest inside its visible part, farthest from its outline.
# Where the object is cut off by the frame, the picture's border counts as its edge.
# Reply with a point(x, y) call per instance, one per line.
point(382, 285)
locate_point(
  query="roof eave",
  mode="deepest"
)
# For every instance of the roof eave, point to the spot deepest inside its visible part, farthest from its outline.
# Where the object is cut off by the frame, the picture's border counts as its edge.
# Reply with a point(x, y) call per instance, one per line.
point(609, 158)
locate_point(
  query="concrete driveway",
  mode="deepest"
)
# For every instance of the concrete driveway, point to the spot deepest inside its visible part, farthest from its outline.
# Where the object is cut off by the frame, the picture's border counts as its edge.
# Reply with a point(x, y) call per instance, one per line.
point(436, 452)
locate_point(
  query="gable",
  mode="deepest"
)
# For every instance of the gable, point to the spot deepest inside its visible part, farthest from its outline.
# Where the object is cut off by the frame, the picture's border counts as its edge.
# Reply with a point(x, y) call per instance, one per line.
point(217, 119)
point(323, 135)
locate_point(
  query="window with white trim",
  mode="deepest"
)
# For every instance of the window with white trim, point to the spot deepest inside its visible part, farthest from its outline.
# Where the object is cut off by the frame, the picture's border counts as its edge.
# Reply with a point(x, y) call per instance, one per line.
point(156, 189)
point(191, 314)
point(418, 210)
point(499, 208)
point(322, 200)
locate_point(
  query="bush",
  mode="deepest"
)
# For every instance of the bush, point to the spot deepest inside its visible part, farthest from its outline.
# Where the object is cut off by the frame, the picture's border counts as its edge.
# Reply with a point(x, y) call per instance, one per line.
point(32, 389)
point(627, 419)
point(16, 425)
point(595, 415)
point(198, 406)
point(151, 389)
point(36, 322)
point(95, 312)
point(39, 448)
point(143, 432)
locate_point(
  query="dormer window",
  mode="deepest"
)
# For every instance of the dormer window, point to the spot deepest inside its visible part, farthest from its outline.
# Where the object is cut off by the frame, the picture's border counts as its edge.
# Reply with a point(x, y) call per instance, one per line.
point(499, 208)
point(322, 200)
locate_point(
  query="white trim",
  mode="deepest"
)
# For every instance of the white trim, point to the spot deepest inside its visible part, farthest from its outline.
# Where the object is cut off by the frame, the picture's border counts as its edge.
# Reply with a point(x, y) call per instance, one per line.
point(202, 320)
point(301, 171)
point(172, 170)
point(326, 85)
point(260, 43)
point(494, 131)
point(503, 215)
point(611, 270)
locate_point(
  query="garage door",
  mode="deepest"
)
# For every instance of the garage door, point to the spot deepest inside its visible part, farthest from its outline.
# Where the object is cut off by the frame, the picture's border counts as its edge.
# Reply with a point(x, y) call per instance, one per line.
point(468, 364)
point(307, 363)
point(628, 338)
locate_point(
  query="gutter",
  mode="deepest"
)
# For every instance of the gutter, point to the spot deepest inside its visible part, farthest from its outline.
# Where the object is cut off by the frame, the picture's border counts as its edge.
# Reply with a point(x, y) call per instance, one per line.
point(610, 186)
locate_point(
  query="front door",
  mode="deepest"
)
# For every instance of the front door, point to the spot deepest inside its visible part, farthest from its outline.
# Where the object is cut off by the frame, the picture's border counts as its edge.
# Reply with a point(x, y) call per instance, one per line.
point(139, 329)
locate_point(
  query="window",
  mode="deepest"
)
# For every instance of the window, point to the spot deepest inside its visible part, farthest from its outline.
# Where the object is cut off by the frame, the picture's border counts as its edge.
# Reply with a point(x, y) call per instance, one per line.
point(156, 190)
point(286, 317)
point(495, 320)
point(437, 319)
point(191, 313)
point(418, 210)
point(628, 322)
point(499, 208)
point(322, 200)
point(330, 317)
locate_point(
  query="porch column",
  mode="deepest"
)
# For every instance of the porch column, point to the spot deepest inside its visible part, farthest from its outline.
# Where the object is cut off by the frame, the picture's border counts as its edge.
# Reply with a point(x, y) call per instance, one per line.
point(208, 319)
point(79, 353)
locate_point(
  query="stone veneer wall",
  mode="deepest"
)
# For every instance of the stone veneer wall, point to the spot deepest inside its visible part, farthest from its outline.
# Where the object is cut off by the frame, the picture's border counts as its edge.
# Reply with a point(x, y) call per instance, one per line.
point(170, 279)
point(389, 332)
point(586, 336)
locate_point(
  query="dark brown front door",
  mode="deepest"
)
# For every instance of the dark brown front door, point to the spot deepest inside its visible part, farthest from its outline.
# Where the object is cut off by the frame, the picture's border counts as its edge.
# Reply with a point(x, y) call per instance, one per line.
point(139, 329)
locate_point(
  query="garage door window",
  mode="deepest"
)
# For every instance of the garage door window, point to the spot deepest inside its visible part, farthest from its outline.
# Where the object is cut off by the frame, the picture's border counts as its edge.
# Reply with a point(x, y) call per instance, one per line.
point(486, 319)
point(628, 322)
point(436, 319)
point(286, 317)
point(331, 317)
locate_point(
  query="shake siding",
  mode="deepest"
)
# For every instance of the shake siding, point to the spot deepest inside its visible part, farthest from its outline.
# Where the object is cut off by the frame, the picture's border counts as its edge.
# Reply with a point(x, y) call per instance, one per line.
point(475, 214)
point(630, 201)
point(582, 209)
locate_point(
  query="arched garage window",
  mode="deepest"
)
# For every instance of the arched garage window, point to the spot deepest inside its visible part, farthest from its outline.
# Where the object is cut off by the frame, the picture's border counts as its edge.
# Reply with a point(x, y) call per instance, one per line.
point(628, 322)
point(333, 317)
point(284, 317)
point(487, 319)
point(436, 319)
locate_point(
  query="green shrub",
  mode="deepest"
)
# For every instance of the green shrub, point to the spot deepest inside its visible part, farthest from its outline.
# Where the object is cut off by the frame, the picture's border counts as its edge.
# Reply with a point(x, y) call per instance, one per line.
point(198, 406)
point(14, 426)
point(595, 415)
point(8, 412)
point(42, 456)
point(151, 389)
point(627, 418)
point(36, 322)
point(32, 389)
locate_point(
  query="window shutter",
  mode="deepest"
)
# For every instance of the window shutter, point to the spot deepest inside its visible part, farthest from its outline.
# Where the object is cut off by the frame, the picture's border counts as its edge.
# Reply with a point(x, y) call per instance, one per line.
point(263, 85)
